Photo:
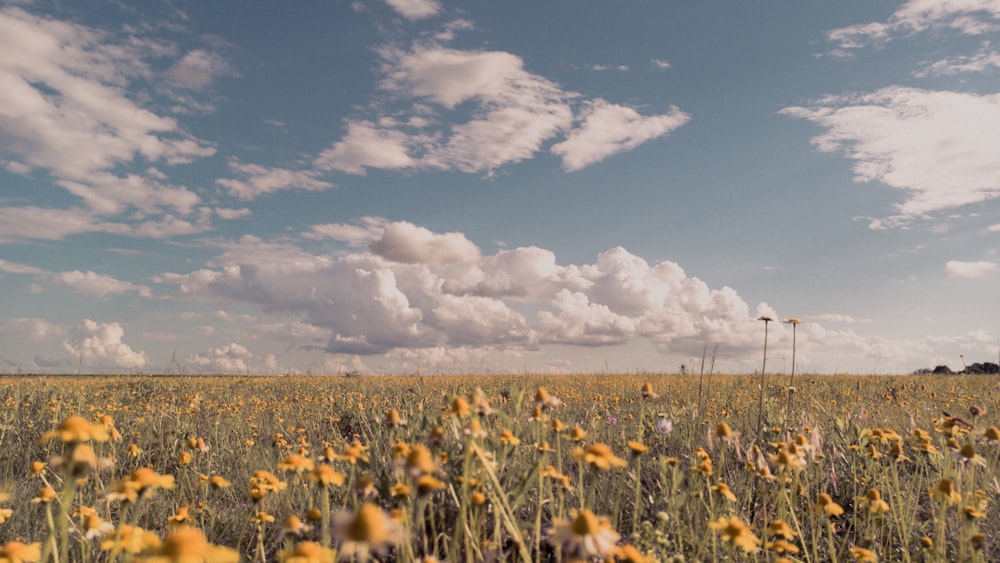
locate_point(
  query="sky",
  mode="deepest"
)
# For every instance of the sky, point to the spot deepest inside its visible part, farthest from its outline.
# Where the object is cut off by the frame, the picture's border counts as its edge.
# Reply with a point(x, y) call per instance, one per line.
point(435, 187)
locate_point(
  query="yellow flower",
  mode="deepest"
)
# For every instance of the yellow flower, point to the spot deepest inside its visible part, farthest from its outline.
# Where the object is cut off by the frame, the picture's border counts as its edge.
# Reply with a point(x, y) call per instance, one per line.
point(393, 419)
point(781, 547)
point(181, 515)
point(36, 468)
point(77, 429)
point(293, 526)
point(308, 552)
point(17, 552)
point(400, 490)
point(459, 407)
point(218, 482)
point(324, 475)
point(992, 435)
point(945, 492)
point(94, 527)
point(141, 482)
point(585, 537)
point(296, 463)
point(601, 457)
point(873, 502)
point(508, 437)
point(577, 434)
point(5, 514)
point(420, 460)
point(972, 513)
point(647, 391)
point(564, 481)
point(185, 458)
point(782, 529)
point(189, 545)
point(725, 433)
point(45, 495)
point(355, 452)
point(364, 485)
point(825, 505)
point(544, 400)
point(134, 451)
point(967, 454)
point(637, 448)
point(427, 484)
point(863, 555)
point(736, 533)
point(723, 491)
point(130, 539)
point(261, 517)
point(367, 532)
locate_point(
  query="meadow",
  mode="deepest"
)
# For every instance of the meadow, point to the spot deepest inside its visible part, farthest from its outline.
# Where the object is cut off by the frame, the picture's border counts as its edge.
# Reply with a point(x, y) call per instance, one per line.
point(645, 467)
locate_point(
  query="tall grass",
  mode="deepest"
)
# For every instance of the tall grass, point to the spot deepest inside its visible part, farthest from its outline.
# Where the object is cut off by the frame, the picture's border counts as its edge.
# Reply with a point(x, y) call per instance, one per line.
point(504, 473)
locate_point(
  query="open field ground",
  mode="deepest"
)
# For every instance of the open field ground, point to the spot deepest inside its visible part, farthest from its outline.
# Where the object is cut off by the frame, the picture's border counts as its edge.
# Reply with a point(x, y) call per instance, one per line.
point(501, 468)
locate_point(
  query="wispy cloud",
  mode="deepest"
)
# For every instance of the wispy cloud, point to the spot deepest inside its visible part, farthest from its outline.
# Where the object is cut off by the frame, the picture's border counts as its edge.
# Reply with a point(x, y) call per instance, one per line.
point(984, 60)
point(942, 149)
point(257, 180)
point(968, 17)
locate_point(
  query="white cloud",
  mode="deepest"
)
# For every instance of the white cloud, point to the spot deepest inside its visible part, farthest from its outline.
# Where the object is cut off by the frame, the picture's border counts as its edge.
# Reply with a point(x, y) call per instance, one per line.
point(231, 358)
point(475, 111)
point(995, 228)
point(32, 328)
point(23, 223)
point(415, 9)
point(660, 63)
point(100, 345)
point(67, 110)
point(354, 235)
point(984, 60)
point(438, 290)
point(367, 145)
point(608, 129)
point(840, 318)
point(959, 269)
point(198, 68)
point(408, 243)
point(99, 285)
point(968, 17)
point(942, 148)
point(260, 180)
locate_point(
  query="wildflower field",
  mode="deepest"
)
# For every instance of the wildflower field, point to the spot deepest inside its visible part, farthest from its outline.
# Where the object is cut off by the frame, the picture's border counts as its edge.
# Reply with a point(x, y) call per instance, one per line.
point(499, 468)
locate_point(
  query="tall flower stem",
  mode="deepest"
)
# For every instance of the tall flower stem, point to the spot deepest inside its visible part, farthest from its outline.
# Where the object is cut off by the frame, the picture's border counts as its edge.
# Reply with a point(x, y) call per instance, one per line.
point(791, 379)
point(760, 404)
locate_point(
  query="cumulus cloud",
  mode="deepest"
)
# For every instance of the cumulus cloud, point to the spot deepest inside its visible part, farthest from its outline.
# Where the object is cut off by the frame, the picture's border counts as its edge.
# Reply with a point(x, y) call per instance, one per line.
point(475, 111)
point(408, 243)
point(413, 289)
point(941, 148)
point(355, 235)
point(100, 345)
point(959, 269)
point(967, 17)
point(257, 180)
point(231, 358)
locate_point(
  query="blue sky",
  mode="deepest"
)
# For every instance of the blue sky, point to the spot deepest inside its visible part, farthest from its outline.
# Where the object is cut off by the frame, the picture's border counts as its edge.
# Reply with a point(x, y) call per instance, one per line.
point(464, 187)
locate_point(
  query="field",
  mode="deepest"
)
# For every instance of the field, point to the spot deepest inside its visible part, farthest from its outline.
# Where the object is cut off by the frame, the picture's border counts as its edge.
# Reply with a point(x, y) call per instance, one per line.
point(499, 468)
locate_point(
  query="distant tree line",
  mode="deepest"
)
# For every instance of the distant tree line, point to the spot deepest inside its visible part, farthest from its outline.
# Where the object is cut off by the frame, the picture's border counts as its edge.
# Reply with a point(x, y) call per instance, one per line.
point(971, 369)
